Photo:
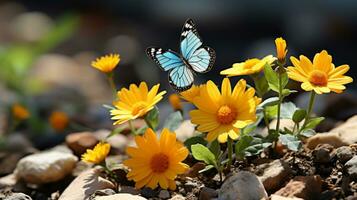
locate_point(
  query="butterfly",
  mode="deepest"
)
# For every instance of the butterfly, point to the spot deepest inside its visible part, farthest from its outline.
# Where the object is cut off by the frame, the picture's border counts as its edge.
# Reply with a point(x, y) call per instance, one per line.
point(193, 57)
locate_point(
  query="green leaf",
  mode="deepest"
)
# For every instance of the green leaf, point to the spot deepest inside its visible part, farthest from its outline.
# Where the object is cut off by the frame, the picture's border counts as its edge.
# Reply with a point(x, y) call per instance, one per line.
point(299, 115)
point(116, 131)
point(272, 78)
point(173, 121)
point(202, 153)
point(284, 79)
point(194, 140)
point(269, 102)
point(308, 132)
point(152, 118)
point(261, 86)
point(208, 167)
point(248, 129)
point(287, 131)
point(290, 141)
point(141, 130)
point(243, 143)
point(287, 92)
point(287, 111)
point(215, 148)
point(313, 122)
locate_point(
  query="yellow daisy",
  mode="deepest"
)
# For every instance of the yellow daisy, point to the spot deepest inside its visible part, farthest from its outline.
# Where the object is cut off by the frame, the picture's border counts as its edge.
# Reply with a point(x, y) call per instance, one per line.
point(321, 75)
point(20, 112)
point(250, 66)
point(224, 113)
point(156, 161)
point(106, 63)
point(58, 120)
point(191, 93)
point(281, 50)
point(175, 102)
point(135, 102)
point(98, 154)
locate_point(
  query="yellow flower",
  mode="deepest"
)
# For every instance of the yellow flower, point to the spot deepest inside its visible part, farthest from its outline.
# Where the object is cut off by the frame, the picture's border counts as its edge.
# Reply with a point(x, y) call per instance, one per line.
point(191, 93)
point(59, 120)
point(175, 102)
point(250, 66)
point(135, 102)
point(224, 113)
point(106, 63)
point(98, 154)
point(20, 112)
point(281, 50)
point(156, 161)
point(321, 76)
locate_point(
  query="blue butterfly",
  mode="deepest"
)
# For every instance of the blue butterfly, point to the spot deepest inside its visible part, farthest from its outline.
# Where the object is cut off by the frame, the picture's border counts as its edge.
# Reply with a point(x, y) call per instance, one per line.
point(193, 58)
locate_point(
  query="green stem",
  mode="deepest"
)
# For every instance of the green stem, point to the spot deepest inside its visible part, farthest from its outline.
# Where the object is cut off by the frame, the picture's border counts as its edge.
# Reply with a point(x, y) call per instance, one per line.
point(112, 85)
point(311, 104)
point(132, 128)
point(280, 101)
point(148, 123)
point(230, 152)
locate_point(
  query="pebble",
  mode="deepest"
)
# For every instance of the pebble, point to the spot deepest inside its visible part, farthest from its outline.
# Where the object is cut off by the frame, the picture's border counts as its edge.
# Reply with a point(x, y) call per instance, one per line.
point(305, 187)
point(80, 142)
point(121, 196)
point(321, 153)
point(128, 189)
point(164, 194)
point(8, 181)
point(241, 186)
point(148, 192)
point(177, 197)
point(277, 197)
point(351, 167)
point(208, 193)
point(18, 196)
point(344, 153)
point(118, 141)
point(274, 174)
point(185, 130)
point(86, 184)
point(45, 167)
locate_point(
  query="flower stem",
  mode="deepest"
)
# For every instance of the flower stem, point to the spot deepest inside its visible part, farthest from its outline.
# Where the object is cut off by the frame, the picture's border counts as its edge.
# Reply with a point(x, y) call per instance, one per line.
point(309, 109)
point(280, 101)
point(230, 153)
point(112, 84)
point(132, 128)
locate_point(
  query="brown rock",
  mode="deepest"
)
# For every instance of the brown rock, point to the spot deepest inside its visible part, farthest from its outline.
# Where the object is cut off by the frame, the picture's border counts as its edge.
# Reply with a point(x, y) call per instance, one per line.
point(306, 187)
point(277, 197)
point(274, 174)
point(331, 138)
point(80, 142)
point(208, 193)
point(118, 141)
point(85, 185)
point(194, 170)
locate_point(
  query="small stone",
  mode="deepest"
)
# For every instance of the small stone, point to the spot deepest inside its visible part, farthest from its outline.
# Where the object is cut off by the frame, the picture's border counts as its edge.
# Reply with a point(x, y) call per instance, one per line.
point(122, 196)
point(241, 186)
point(178, 197)
point(118, 141)
point(80, 142)
point(330, 138)
point(8, 181)
point(208, 193)
point(185, 130)
point(128, 189)
point(194, 170)
point(18, 196)
point(103, 192)
point(164, 194)
point(277, 197)
point(274, 174)
point(306, 187)
point(351, 167)
point(45, 167)
point(321, 153)
point(344, 153)
point(86, 184)
point(148, 192)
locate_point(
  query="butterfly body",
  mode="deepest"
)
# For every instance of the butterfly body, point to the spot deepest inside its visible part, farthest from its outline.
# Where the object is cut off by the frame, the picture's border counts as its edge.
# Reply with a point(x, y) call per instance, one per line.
point(193, 58)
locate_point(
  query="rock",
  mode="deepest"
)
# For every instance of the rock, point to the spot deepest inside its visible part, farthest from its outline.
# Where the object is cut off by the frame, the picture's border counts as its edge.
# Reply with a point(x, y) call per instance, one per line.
point(45, 167)
point(103, 192)
point(148, 192)
point(164, 194)
point(306, 187)
point(277, 197)
point(194, 170)
point(207, 193)
point(351, 167)
point(80, 142)
point(128, 189)
point(178, 197)
point(274, 174)
point(122, 196)
point(321, 153)
point(185, 131)
point(342, 135)
point(241, 186)
point(86, 184)
point(8, 181)
point(117, 141)
point(17, 196)
point(344, 153)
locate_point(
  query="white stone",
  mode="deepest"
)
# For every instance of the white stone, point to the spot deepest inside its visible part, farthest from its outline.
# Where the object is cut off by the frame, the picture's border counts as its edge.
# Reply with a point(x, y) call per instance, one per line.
point(242, 186)
point(185, 131)
point(45, 167)
point(121, 196)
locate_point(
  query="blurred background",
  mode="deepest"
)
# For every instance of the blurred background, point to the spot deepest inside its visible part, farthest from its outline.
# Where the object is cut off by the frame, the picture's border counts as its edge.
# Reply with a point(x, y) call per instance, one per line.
point(46, 48)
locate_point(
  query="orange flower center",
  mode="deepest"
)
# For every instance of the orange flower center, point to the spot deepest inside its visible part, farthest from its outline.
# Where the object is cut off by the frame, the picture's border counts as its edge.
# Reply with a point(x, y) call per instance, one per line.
point(159, 163)
point(138, 108)
point(318, 78)
point(226, 115)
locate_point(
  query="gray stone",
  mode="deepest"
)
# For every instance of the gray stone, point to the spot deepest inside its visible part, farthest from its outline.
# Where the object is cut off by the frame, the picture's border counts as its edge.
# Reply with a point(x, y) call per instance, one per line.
point(185, 131)
point(277, 197)
point(18, 196)
point(207, 193)
point(321, 153)
point(241, 186)
point(128, 189)
point(121, 196)
point(178, 197)
point(344, 153)
point(351, 167)
point(45, 167)
point(274, 174)
point(164, 194)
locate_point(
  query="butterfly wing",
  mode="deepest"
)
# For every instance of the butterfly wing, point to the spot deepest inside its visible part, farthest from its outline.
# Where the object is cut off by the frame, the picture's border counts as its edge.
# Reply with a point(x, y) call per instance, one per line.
point(180, 76)
point(200, 58)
